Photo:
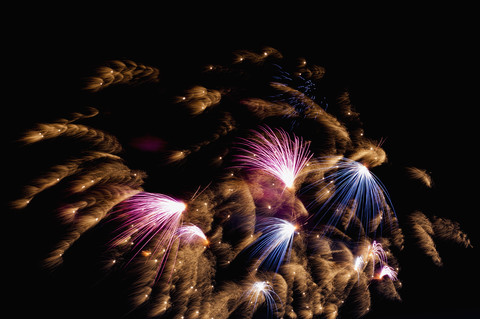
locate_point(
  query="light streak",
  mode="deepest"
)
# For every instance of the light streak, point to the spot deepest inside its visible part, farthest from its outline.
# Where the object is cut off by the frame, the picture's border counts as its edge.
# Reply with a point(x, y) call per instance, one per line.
point(275, 153)
point(358, 264)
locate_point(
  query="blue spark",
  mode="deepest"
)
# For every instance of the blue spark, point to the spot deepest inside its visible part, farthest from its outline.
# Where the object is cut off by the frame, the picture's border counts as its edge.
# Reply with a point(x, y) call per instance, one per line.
point(305, 87)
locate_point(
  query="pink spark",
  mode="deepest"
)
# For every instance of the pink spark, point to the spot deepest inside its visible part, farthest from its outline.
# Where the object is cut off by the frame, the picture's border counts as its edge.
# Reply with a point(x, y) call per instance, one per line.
point(275, 153)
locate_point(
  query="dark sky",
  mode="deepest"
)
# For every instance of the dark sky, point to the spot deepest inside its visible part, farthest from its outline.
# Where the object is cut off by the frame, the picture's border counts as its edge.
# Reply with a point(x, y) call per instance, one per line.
point(409, 75)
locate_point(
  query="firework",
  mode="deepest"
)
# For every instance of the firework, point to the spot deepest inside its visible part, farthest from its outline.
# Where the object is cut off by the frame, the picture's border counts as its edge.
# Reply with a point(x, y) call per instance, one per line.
point(230, 254)
point(376, 252)
point(275, 153)
point(121, 72)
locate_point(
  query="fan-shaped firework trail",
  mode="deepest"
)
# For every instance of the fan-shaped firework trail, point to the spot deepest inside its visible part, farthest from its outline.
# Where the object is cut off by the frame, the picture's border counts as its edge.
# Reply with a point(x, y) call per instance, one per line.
point(147, 214)
point(276, 153)
point(349, 189)
point(262, 292)
point(274, 243)
point(297, 223)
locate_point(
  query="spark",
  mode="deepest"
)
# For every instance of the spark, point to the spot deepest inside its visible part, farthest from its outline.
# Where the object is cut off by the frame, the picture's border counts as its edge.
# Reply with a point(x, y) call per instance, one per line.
point(275, 243)
point(275, 153)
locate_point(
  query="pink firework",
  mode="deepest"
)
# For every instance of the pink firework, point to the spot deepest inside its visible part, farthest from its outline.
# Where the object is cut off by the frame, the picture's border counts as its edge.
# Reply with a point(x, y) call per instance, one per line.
point(148, 215)
point(275, 153)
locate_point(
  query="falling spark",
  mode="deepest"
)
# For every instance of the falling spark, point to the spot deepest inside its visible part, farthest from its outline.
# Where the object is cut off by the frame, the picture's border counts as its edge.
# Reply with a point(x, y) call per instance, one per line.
point(421, 175)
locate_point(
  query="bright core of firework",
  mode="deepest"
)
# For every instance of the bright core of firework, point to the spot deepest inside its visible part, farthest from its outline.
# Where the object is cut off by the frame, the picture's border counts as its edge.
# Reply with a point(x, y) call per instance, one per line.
point(275, 153)
point(363, 170)
point(359, 263)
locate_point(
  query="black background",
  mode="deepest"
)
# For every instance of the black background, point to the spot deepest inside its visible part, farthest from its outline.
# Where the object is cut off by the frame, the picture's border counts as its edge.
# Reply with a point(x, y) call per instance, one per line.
point(411, 74)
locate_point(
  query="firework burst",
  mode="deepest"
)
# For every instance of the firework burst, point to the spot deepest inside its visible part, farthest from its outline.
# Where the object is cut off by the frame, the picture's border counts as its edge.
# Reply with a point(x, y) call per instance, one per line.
point(214, 261)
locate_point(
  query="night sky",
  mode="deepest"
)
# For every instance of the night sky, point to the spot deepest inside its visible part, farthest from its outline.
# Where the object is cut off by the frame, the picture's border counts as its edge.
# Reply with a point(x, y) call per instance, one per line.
point(409, 76)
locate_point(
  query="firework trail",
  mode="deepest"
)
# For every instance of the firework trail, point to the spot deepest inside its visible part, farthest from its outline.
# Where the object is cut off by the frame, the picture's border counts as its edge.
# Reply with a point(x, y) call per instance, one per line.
point(421, 175)
point(425, 231)
point(293, 223)
point(121, 72)
point(190, 233)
